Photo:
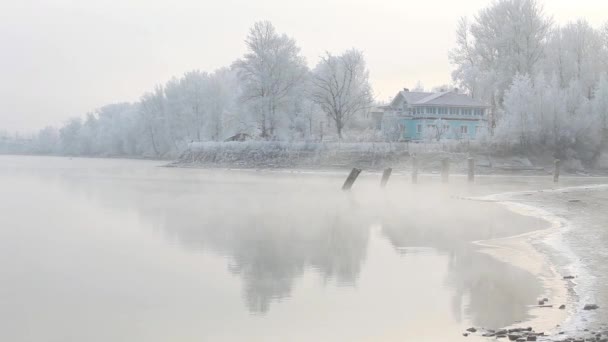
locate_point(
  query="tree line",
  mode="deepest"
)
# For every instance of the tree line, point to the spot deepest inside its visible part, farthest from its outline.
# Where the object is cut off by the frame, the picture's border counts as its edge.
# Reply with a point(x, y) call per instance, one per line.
point(270, 93)
point(547, 84)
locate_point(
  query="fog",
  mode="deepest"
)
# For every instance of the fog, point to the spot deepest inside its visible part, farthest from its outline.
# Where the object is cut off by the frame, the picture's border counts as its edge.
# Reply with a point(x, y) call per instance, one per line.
point(174, 170)
point(65, 58)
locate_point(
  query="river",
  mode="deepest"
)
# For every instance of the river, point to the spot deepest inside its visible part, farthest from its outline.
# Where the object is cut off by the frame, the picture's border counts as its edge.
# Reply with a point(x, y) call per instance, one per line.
point(126, 250)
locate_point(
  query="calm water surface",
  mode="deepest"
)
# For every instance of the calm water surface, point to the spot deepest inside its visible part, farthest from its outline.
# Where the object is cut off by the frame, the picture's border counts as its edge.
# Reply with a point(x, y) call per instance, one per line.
point(121, 250)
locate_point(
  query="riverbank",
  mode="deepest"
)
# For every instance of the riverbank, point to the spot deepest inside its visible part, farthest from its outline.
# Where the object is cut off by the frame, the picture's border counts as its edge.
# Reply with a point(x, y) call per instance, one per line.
point(369, 156)
point(569, 258)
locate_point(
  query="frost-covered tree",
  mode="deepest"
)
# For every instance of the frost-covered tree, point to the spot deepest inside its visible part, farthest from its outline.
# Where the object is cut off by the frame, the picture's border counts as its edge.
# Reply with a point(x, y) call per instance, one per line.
point(185, 104)
point(340, 86)
point(543, 82)
point(271, 72)
point(520, 122)
point(47, 141)
point(265, 93)
point(117, 132)
point(540, 114)
point(504, 40)
point(224, 113)
point(154, 122)
point(575, 52)
point(69, 136)
point(437, 130)
point(600, 106)
point(604, 36)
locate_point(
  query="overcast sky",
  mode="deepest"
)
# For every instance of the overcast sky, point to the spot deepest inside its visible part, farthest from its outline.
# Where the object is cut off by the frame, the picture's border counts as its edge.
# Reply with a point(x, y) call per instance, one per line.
point(63, 58)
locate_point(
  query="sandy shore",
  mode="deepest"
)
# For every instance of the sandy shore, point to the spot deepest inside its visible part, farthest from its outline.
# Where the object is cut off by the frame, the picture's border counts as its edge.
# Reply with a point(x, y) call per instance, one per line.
point(572, 245)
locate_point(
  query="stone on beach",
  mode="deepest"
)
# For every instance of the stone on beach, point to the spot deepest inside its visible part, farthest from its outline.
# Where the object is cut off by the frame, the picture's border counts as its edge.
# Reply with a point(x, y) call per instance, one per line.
point(591, 307)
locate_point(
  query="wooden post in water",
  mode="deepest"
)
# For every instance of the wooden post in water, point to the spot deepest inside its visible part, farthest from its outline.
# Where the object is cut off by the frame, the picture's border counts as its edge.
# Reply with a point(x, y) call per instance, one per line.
point(385, 176)
point(352, 177)
point(556, 163)
point(471, 173)
point(445, 170)
point(414, 169)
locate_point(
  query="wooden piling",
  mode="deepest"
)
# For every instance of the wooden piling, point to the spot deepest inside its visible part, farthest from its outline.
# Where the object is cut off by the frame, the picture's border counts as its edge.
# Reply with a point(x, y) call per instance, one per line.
point(471, 173)
point(445, 170)
point(385, 176)
point(556, 163)
point(350, 180)
point(414, 170)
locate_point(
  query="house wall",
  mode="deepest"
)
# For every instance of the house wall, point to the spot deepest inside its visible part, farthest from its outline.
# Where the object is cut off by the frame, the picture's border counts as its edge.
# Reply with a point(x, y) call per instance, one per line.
point(402, 120)
point(410, 128)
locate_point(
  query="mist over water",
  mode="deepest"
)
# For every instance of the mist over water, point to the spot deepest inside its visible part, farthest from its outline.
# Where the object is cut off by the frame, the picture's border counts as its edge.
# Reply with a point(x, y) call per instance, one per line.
point(118, 250)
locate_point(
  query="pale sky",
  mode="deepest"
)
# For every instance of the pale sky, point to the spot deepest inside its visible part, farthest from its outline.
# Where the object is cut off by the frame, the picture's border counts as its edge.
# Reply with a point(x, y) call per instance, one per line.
point(64, 58)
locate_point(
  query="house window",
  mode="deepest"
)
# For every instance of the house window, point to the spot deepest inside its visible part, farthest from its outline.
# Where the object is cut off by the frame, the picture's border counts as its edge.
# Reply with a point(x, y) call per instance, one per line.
point(442, 110)
point(454, 111)
point(466, 111)
point(419, 128)
point(431, 110)
point(464, 129)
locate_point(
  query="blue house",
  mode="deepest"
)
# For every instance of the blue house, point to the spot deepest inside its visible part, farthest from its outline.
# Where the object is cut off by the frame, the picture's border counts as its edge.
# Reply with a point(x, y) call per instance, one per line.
point(414, 116)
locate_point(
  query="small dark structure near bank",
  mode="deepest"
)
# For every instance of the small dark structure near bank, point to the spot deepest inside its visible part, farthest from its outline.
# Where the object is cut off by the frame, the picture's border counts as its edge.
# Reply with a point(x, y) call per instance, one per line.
point(239, 137)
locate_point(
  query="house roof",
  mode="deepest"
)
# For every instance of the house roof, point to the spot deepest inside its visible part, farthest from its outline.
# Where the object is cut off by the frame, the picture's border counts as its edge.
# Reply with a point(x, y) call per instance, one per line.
point(447, 98)
point(413, 96)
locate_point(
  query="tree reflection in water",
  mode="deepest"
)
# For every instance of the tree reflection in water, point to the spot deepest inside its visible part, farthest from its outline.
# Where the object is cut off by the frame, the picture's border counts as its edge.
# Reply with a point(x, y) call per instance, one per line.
point(492, 293)
point(272, 228)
